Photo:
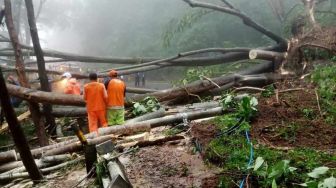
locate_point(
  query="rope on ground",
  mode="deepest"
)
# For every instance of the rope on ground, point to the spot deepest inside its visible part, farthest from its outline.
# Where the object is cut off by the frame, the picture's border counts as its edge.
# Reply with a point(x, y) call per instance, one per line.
point(250, 160)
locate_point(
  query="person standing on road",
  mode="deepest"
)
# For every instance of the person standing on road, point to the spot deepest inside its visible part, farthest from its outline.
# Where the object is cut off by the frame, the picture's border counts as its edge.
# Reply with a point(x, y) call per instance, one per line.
point(95, 96)
point(116, 91)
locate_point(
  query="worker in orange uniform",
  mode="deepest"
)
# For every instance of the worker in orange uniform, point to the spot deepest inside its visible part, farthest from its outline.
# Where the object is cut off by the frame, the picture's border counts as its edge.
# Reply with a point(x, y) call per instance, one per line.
point(71, 85)
point(116, 90)
point(95, 96)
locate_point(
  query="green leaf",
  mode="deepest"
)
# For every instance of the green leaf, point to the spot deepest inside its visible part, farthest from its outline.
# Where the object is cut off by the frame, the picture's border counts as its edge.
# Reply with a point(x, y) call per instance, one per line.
point(279, 169)
point(329, 182)
point(310, 184)
point(318, 171)
point(292, 169)
point(274, 185)
point(258, 163)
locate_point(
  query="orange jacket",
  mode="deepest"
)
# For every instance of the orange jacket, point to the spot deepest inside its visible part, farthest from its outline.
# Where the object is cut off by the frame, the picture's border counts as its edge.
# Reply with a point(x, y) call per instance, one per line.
point(95, 96)
point(72, 87)
point(116, 93)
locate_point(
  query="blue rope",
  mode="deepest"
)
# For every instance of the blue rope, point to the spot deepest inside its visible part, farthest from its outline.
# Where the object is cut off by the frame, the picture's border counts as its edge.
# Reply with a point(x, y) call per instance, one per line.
point(251, 157)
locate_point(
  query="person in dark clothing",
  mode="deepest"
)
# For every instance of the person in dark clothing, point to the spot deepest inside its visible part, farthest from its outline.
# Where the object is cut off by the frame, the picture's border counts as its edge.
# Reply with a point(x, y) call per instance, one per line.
point(143, 79)
point(14, 100)
point(137, 79)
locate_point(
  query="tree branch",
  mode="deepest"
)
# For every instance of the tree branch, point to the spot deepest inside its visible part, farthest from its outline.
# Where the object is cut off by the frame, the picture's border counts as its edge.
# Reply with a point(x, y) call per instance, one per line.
point(246, 20)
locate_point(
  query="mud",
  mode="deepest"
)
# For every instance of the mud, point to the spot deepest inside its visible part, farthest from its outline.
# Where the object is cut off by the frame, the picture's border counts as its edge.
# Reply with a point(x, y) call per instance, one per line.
point(167, 166)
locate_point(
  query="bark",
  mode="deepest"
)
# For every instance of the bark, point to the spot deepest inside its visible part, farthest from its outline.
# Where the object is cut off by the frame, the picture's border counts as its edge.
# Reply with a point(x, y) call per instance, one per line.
point(45, 161)
point(151, 142)
point(249, 80)
point(69, 112)
point(17, 133)
point(4, 127)
point(45, 97)
point(44, 171)
point(47, 108)
point(33, 107)
point(185, 54)
point(148, 116)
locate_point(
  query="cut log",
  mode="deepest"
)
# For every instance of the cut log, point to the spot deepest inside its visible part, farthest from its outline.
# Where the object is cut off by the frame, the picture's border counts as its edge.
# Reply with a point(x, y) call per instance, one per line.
point(45, 161)
point(45, 97)
point(44, 171)
point(266, 55)
point(21, 117)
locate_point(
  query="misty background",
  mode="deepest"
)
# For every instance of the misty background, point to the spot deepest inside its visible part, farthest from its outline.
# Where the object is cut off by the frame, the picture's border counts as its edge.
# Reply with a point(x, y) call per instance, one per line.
point(151, 28)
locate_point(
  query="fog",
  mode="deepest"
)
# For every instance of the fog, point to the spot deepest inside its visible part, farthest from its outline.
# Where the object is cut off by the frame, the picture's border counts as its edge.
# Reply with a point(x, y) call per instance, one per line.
point(106, 27)
point(153, 28)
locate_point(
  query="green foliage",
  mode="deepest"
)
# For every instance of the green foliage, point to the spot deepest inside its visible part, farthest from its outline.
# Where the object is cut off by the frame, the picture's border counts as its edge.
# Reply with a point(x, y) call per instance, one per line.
point(333, 59)
point(288, 132)
point(172, 132)
point(148, 104)
point(176, 26)
point(272, 174)
point(269, 91)
point(101, 171)
point(325, 79)
point(195, 74)
point(231, 150)
point(245, 108)
point(318, 178)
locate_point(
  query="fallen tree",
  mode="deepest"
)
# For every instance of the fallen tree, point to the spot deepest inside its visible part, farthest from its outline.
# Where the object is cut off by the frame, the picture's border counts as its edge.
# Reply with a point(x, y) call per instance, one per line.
point(110, 132)
point(164, 95)
point(205, 85)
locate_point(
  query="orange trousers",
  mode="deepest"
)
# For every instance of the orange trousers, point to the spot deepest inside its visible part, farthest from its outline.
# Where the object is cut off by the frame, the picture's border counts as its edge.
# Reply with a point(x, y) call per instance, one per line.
point(94, 117)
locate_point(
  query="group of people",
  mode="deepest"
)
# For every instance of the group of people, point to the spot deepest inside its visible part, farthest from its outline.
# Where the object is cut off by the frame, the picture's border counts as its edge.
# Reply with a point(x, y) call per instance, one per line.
point(104, 102)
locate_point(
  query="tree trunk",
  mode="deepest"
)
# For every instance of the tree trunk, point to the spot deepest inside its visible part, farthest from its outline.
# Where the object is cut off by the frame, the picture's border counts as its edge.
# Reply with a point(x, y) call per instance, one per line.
point(266, 55)
point(109, 132)
point(17, 133)
point(33, 107)
point(203, 85)
point(148, 116)
point(47, 108)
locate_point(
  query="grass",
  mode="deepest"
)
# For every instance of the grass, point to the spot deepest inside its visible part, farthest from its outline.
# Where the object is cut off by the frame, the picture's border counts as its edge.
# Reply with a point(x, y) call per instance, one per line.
point(231, 154)
point(325, 80)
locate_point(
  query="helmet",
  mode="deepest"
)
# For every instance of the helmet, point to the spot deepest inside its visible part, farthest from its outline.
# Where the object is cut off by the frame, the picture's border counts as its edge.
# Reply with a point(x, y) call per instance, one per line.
point(66, 75)
point(113, 73)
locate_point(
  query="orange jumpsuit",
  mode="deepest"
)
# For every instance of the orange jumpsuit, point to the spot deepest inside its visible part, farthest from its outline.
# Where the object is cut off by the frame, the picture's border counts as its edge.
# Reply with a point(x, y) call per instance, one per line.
point(116, 93)
point(115, 102)
point(95, 96)
point(72, 87)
